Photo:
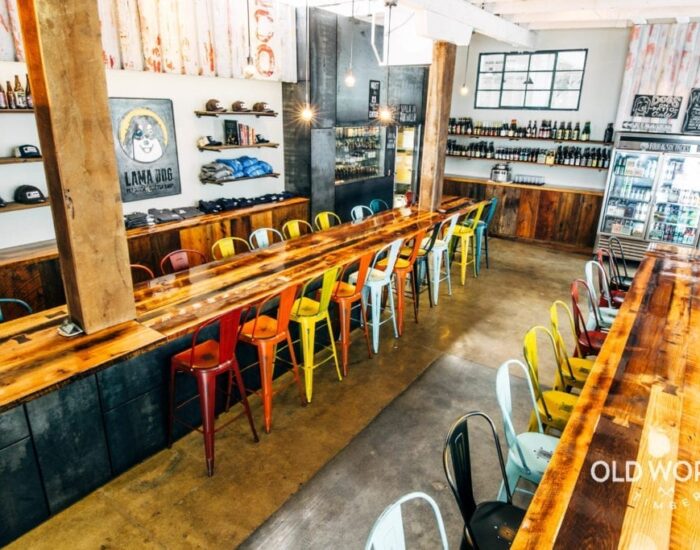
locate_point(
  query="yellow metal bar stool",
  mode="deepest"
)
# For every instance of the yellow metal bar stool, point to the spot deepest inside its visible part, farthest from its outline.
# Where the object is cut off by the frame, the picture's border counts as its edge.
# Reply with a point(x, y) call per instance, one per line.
point(308, 312)
point(293, 229)
point(229, 246)
point(464, 235)
point(326, 220)
point(574, 370)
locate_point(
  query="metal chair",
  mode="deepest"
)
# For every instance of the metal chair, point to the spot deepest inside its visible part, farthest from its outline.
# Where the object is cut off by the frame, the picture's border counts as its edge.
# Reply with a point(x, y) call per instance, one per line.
point(465, 233)
point(228, 247)
point(20, 303)
point(482, 233)
point(589, 340)
point(206, 361)
point(179, 260)
point(326, 220)
point(141, 273)
point(576, 369)
point(439, 255)
point(296, 228)
point(600, 292)
point(378, 205)
point(619, 280)
point(387, 532)
point(264, 237)
point(360, 212)
point(489, 524)
point(617, 296)
point(529, 452)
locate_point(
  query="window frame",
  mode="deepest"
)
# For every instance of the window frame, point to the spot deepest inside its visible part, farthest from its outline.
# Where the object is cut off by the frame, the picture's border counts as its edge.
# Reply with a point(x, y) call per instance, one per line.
point(526, 88)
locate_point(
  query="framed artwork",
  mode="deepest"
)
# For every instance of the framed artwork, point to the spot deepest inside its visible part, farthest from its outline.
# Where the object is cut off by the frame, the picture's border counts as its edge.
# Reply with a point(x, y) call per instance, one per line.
point(145, 147)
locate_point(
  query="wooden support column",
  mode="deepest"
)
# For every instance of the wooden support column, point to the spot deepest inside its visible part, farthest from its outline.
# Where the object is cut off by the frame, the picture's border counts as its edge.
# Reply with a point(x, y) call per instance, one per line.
point(437, 117)
point(64, 57)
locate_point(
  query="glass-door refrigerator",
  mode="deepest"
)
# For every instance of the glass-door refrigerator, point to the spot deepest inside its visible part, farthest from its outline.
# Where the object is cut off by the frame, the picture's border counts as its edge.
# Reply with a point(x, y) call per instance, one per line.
point(652, 193)
point(407, 167)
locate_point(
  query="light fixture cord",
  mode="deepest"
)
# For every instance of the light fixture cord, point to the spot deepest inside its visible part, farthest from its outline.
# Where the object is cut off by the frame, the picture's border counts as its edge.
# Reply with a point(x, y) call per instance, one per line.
point(388, 62)
point(308, 55)
point(250, 49)
point(466, 66)
point(352, 31)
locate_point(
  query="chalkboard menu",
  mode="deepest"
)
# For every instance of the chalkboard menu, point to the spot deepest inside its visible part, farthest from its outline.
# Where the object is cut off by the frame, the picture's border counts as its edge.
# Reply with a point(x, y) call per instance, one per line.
point(373, 107)
point(407, 113)
point(691, 123)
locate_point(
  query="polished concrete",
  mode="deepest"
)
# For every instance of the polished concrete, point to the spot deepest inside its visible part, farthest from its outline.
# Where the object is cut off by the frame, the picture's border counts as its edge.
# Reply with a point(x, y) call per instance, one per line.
point(168, 502)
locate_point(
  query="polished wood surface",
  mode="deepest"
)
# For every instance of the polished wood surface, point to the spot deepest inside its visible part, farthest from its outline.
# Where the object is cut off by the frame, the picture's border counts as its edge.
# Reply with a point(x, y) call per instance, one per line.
point(546, 187)
point(641, 403)
point(34, 359)
point(562, 218)
point(31, 272)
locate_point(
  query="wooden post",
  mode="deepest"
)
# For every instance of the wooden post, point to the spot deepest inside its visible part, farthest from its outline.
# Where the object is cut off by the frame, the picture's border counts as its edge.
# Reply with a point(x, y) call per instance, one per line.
point(64, 58)
point(437, 117)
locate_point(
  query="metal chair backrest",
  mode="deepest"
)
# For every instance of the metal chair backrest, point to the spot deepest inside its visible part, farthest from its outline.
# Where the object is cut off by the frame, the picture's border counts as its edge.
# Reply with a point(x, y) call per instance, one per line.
point(434, 234)
point(577, 287)
point(392, 253)
point(328, 279)
point(378, 205)
point(532, 359)
point(556, 332)
point(264, 237)
point(141, 273)
point(360, 212)
point(505, 402)
point(579, 320)
point(20, 303)
point(448, 227)
point(284, 309)
point(490, 213)
point(387, 532)
point(472, 218)
point(179, 260)
point(617, 257)
point(415, 243)
point(456, 461)
point(362, 272)
point(595, 270)
point(326, 220)
point(229, 325)
point(226, 247)
point(294, 229)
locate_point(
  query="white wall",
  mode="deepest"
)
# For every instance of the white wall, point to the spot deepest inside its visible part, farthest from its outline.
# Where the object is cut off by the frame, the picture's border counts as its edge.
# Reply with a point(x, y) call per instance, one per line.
point(187, 93)
point(607, 49)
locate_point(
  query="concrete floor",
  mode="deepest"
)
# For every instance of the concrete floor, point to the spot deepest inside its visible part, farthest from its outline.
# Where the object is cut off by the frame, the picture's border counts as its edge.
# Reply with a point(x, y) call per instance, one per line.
point(168, 502)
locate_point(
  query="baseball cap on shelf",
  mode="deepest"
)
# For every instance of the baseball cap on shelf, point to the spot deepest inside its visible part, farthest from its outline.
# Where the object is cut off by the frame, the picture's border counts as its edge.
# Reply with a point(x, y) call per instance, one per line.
point(239, 106)
point(261, 107)
point(28, 194)
point(214, 105)
point(207, 140)
point(27, 152)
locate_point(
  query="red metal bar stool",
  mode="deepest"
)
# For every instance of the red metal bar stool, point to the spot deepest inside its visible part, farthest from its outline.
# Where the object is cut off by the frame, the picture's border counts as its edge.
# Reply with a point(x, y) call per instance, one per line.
point(179, 260)
point(205, 361)
point(141, 273)
point(265, 333)
point(348, 296)
point(590, 340)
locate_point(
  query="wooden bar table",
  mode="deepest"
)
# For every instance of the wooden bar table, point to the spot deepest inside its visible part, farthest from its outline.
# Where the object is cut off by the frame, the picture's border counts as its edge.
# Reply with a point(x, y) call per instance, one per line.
point(626, 473)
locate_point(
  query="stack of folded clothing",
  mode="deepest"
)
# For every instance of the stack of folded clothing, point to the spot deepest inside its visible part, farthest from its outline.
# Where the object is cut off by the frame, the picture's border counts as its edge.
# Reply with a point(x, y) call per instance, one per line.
point(223, 170)
point(138, 219)
point(163, 215)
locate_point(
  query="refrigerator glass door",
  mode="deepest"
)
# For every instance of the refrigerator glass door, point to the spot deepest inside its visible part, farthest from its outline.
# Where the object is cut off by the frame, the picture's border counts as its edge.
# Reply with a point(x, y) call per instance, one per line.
point(629, 193)
point(676, 209)
point(406, 169)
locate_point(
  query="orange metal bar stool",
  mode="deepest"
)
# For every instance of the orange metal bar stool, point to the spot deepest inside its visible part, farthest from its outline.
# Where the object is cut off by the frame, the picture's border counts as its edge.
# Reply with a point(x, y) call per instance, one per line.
point(205, 361)
point(402, 269)
point(265, 333)
point(347, 296)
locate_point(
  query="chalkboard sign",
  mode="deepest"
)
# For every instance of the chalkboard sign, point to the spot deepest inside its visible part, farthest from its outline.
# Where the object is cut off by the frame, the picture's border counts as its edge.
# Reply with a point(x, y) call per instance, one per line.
point(407, 113)
point(691, 123)
point(373, 107)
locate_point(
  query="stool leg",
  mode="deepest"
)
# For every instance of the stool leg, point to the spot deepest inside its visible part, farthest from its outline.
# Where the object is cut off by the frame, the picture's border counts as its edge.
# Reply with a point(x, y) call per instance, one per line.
point(375, 301)
point(171, 405)
point(295, 369)
point(430, 290)
point(308, 334)
point(436, 260)
point(207, 399)
point(363, 313)
point(230, 389)
point(335, 353)
point(400, 299)
point(266, 360)
point(464, 256)
point(393, 313)
point(344, 319)
point(486, 246)
point(414, 290)
point(447, 275)
point(244, 398)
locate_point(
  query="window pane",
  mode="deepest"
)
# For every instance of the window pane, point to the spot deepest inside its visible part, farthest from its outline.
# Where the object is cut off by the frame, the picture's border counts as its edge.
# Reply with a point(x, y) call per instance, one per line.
point(575, 60)
point(491, 63)
point(537, 99)
point(513, 99)
point(564, 100)
point(517, 62)
point(488, 100)
point(542, 62)
point(540, 81)
point(568, 80)
point(514, 81)
point(490, 81)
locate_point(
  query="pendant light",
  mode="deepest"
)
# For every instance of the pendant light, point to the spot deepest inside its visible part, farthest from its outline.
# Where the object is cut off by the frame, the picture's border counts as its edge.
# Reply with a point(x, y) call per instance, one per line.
point(307, 113)
point(464, 90)
point(249, 69)
point(350, 79)
point(386, 112)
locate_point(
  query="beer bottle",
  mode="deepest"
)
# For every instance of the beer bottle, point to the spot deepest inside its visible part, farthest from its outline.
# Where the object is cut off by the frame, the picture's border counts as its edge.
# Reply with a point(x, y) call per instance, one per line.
point(11, 103)
point(576, 134)
point(3, 98)
point(20, 98)
point(29, 98)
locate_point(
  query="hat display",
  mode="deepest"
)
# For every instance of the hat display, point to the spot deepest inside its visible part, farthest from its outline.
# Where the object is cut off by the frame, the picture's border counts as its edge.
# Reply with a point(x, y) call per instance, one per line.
point(28, 194)
point(206, 141)
point(262, 107)
point(239, 106)
point(214, 105)
point(27, 152)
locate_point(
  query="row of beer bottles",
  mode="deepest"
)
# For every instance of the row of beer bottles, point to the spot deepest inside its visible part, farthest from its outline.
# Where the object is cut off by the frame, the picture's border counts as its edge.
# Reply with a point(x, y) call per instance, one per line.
point(16, 97)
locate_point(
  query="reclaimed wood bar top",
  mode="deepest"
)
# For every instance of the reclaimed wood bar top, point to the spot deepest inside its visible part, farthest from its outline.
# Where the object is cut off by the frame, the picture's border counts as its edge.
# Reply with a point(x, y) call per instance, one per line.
point(459, 178)
point(34, 359)
point(626, 471)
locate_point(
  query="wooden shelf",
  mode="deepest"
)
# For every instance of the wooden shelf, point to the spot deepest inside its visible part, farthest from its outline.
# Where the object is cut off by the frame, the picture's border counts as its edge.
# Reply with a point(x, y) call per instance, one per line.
point(502, 161)
point(16, 206)
point(221, 182)
point(457, 178)
point(578, 142)
point(235, 113)
point(219, 148)
point(19, 160)
point(15, 111)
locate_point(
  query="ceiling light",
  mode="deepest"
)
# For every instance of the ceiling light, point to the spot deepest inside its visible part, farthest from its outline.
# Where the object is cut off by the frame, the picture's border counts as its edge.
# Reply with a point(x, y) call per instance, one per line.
point(464, 90)
point(350, 79)
point(249, 69)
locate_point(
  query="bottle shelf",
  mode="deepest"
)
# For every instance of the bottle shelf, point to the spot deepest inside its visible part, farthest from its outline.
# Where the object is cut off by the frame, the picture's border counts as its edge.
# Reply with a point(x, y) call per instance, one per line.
point(235, 113)
point(219, 148)
point(616, 217)
point(550, 140)
point(235, 180)
point(19, 160)
point(15, 111)
point(16, 206)
point(529, 162)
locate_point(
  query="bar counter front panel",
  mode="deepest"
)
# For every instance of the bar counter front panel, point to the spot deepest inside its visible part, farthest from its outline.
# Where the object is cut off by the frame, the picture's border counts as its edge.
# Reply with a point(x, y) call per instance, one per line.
point(75, 413)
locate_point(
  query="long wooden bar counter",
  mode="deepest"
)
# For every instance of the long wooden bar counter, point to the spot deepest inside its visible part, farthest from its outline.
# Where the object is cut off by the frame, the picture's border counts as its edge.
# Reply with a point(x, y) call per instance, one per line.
point(638, 416)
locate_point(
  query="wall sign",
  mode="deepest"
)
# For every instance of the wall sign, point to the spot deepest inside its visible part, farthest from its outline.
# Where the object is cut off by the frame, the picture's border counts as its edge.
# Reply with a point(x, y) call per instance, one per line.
point(691, 122)
point(407, 113)
point(373, 107)
point(145, 147)
point(657, 106)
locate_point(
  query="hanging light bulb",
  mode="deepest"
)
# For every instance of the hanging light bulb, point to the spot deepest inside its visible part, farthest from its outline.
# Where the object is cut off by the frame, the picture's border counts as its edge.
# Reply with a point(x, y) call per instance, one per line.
point(307, 113)
point(350, 79)
point(386, 114)
point(464, 90)
point(249, 69)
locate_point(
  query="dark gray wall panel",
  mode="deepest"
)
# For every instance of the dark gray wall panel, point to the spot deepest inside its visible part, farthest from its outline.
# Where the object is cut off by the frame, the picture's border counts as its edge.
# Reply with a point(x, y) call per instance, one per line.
point(322, 171)
point(70, 442)
point(13, 426)
point(323, 67)
point(362, 192)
